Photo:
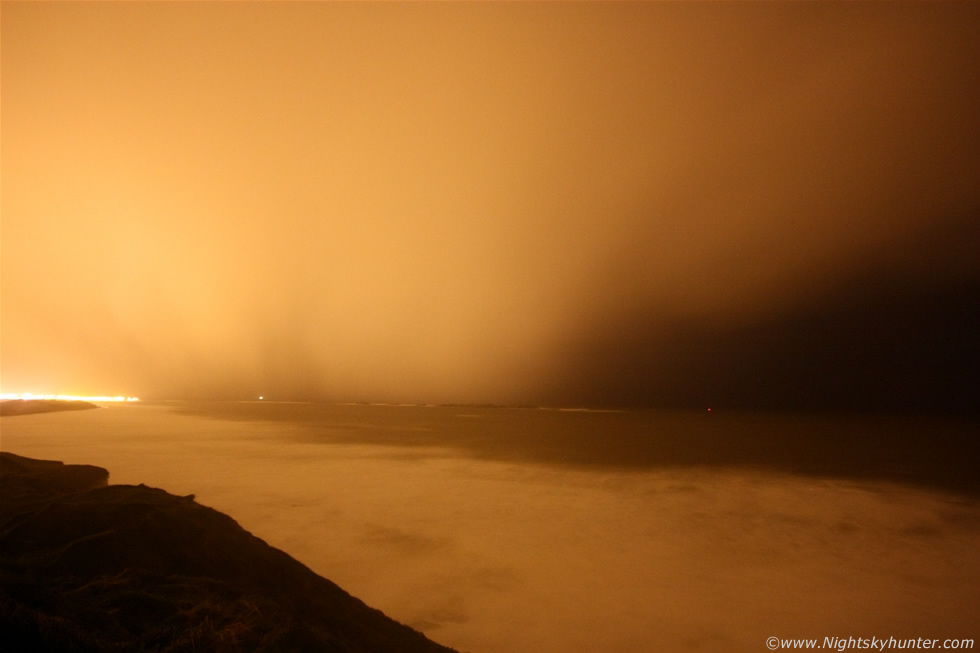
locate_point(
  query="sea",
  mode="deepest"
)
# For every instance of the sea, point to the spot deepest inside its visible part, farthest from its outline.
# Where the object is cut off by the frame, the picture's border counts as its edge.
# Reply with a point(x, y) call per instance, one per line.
point(525, 529)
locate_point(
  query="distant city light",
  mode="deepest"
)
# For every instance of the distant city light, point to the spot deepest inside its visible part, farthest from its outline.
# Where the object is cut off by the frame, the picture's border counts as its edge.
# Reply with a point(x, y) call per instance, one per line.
point(31, 395)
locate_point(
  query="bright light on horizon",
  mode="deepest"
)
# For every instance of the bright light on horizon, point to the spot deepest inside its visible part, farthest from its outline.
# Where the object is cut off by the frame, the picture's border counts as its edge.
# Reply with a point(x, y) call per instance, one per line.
point(31, 395)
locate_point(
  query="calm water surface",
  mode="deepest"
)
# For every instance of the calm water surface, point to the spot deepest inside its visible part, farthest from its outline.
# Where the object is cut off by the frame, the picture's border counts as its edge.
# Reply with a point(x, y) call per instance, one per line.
point(509, 530)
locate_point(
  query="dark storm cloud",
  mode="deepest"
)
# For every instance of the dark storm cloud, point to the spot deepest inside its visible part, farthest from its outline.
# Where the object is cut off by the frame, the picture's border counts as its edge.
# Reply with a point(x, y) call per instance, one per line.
point(899, 338)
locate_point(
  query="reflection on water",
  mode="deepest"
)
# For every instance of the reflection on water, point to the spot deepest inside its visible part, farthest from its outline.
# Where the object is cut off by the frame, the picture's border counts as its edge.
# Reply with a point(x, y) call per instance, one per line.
point(522, 530)
point(922, 451)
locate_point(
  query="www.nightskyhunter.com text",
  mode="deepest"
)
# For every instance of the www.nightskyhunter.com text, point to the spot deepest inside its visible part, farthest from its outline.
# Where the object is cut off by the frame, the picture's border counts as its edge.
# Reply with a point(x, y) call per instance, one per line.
point(867, 643)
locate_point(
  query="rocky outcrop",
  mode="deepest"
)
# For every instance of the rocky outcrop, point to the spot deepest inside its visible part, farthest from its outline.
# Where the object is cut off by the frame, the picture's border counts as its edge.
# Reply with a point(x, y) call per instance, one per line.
point(86, 566)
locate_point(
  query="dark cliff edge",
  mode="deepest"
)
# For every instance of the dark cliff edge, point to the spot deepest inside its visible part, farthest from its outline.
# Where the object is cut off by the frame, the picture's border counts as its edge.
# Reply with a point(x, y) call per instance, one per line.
point(87, 566)
point(11, 407)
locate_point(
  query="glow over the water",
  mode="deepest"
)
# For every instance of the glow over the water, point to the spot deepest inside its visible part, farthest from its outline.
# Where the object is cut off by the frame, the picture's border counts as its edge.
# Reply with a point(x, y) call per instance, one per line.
point(31, 395)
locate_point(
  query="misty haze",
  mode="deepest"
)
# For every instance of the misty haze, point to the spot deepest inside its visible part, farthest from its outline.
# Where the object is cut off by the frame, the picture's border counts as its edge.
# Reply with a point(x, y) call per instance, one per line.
point(536, 326)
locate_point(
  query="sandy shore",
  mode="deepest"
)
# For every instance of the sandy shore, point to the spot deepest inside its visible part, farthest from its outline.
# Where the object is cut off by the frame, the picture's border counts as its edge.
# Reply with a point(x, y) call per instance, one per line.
point(11, 407)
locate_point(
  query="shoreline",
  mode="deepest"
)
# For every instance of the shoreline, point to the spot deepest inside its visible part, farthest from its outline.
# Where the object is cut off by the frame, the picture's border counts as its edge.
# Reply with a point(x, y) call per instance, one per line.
point(16, 407)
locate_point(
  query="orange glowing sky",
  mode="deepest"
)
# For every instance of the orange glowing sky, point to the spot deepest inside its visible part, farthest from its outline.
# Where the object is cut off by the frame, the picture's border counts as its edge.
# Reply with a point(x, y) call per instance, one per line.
point(483, 202)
